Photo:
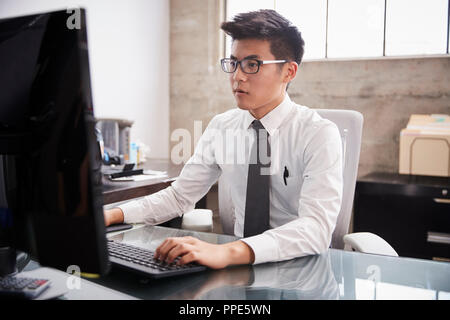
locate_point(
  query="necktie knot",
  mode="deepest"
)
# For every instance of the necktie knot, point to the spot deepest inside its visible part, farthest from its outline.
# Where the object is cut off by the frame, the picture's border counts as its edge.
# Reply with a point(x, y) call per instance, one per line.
point(257, 125)
point(261, 132)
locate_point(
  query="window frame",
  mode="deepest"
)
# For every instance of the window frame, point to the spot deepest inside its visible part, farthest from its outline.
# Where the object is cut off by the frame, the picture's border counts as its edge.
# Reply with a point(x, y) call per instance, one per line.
point(326, 58)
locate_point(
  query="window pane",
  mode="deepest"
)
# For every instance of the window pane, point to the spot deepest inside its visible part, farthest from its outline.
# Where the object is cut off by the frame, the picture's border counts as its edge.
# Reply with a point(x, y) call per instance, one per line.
point(416, 27)
point(310, 18)
point(238, 6)
point(355, 28)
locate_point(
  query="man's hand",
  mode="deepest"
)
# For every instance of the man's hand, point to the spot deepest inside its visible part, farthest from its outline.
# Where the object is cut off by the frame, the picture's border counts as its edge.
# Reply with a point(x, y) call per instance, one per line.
point(113, 216)
point(215, 256)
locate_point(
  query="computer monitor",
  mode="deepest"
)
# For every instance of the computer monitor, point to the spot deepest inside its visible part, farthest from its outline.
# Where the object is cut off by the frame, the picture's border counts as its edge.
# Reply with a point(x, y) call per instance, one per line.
point(51, 202)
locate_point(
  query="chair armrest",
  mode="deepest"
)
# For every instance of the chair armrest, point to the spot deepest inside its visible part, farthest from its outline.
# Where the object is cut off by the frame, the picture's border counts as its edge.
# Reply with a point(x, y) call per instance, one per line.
point(198, 220)
point(367, 242)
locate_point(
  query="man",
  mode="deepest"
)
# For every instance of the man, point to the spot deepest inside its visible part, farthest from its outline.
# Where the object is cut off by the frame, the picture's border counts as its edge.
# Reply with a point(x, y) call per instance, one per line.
point(285, 205)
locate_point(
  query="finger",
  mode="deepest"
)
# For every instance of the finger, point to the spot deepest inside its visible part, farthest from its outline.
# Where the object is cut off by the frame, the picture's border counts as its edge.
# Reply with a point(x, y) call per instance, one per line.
point(164, 248)
point(188, 258)
point(179, 250)
point(167, 244)
point(158, 249)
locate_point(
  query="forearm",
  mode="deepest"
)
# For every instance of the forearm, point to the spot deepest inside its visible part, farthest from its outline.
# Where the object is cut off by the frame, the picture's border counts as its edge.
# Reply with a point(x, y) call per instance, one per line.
point(155, 208)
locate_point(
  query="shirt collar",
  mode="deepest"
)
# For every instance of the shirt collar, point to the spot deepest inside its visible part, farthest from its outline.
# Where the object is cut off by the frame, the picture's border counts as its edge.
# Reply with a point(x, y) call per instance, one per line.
point(274, 118)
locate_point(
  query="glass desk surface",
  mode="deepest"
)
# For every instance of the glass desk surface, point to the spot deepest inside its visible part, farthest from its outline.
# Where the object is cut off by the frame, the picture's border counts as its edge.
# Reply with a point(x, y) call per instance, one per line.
point(335, 274)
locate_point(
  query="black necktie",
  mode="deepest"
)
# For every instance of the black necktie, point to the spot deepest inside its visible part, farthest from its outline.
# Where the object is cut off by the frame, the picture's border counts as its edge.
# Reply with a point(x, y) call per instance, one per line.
point(257, 202)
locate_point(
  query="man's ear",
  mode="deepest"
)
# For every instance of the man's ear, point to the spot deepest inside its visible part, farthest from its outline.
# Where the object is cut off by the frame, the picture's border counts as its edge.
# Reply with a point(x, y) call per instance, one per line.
point(291, 71)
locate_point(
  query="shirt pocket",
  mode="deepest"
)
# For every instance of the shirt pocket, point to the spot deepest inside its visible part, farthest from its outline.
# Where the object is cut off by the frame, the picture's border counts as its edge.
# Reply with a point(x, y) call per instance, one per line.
point(285, 193)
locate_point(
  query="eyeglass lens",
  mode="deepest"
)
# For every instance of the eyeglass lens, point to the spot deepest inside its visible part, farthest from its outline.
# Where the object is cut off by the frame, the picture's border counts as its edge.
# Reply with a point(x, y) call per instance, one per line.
point(247, 65)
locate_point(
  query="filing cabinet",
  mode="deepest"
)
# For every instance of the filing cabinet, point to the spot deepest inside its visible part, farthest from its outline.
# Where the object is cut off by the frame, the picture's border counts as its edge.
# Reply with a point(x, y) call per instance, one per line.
point(410, 212)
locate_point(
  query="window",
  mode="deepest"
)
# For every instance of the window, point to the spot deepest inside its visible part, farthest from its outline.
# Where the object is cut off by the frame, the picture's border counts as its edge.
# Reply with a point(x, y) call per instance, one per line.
point(359, 29)
point(311, 19)
point(416, 27)
point(355, 28)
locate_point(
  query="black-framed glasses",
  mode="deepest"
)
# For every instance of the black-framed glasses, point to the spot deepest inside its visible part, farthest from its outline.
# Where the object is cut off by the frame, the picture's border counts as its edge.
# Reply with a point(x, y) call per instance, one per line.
point(247, 65)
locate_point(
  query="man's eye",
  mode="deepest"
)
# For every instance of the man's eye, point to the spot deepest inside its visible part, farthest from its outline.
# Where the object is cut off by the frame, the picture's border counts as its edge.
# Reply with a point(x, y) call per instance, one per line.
point(251, 64)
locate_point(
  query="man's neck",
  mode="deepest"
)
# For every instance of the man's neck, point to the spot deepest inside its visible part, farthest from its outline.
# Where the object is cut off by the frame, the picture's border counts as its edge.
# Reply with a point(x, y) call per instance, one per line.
point(260, 112)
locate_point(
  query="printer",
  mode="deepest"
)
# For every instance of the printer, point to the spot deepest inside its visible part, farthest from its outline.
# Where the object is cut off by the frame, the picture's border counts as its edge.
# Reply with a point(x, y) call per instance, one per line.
point(425, 146)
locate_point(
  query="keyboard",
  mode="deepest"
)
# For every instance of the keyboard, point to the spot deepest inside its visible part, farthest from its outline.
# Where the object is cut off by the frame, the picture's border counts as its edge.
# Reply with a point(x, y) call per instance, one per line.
point(142, 261)
point(22, 287)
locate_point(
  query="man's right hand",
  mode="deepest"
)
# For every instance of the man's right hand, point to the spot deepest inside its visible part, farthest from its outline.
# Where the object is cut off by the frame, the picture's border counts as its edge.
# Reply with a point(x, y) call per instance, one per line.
point(113, 216)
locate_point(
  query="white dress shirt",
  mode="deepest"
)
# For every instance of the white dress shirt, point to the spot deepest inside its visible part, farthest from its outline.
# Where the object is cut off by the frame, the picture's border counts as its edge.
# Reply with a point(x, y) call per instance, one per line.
point(303, 212)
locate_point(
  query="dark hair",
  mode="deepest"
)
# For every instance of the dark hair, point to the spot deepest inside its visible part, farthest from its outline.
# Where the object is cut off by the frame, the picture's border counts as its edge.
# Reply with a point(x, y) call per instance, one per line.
point(286, 42)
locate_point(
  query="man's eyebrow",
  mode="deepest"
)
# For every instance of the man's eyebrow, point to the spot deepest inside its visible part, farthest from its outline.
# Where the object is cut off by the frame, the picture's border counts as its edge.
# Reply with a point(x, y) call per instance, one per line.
point(252, 56)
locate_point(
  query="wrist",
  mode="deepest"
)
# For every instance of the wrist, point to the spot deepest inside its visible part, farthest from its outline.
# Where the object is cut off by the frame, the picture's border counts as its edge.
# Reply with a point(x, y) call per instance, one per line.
point(115, 216)
point(239, 253)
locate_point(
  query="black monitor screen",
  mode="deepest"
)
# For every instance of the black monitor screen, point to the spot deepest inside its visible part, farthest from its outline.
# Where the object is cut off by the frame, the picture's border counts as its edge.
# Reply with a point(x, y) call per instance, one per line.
point(50, 179)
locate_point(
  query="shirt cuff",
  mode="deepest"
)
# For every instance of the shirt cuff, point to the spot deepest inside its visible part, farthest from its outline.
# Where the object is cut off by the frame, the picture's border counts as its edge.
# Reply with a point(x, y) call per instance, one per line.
point(264, 247)
point(131, 212)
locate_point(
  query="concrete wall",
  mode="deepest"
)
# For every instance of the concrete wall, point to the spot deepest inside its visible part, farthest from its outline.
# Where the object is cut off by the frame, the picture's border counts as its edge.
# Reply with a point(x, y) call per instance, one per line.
point(386, 91)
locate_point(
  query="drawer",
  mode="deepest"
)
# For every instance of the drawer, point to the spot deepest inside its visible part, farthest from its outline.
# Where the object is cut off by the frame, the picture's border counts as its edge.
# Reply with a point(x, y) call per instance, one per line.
point(438, 217)
point(411, 190)
point(438, 246)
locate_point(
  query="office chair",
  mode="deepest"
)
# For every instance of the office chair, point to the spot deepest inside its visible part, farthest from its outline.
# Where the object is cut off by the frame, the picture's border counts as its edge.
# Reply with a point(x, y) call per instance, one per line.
point(350, 124)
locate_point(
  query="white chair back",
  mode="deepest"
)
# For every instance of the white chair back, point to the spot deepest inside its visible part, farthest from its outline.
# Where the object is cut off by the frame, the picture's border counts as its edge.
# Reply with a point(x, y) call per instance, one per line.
point(350, 125)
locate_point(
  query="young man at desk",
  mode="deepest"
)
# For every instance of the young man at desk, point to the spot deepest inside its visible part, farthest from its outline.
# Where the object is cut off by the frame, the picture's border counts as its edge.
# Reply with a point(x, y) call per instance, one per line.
point(286, 202)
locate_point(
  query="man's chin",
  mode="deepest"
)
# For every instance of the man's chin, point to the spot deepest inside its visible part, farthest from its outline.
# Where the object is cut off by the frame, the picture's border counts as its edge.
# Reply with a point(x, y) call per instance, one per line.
point(242, 105)
point(245, 103)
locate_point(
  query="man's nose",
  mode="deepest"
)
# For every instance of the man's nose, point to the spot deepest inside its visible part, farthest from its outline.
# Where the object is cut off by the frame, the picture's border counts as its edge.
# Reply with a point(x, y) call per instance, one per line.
point(239, 75)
